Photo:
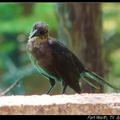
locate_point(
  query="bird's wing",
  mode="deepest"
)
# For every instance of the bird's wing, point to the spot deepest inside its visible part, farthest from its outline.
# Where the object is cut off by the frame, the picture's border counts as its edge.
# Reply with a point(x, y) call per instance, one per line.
point(65, 64)
point(82, 71)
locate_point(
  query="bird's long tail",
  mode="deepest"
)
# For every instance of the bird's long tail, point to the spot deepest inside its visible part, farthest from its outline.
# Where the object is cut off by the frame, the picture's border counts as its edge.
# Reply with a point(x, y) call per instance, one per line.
point(96, 78)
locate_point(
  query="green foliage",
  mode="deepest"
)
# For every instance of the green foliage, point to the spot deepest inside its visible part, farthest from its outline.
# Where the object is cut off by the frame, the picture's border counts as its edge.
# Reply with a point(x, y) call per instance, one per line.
point(111, 17)
point(9, 11)
point(115, 57)
point(111, 29)
point(6, 48)
point(13, 20)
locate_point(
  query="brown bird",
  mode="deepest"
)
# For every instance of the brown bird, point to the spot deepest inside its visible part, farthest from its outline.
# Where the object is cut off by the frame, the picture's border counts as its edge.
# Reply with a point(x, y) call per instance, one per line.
point(56, 62)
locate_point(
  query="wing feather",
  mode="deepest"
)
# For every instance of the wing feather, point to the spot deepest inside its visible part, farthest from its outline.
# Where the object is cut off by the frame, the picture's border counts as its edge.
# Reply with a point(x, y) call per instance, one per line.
point(65, 64)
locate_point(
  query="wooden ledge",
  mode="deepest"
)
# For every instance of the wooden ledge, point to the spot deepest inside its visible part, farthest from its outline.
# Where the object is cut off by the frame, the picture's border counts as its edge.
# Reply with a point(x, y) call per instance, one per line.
point(77, 104)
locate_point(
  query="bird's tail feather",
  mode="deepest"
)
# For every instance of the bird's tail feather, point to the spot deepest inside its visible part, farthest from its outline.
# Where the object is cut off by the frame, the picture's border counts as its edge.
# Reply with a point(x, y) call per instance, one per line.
point(90, 83)
point(98, 79)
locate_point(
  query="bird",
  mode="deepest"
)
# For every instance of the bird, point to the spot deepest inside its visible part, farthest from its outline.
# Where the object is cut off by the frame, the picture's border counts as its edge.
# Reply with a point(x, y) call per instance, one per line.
point(57, 63)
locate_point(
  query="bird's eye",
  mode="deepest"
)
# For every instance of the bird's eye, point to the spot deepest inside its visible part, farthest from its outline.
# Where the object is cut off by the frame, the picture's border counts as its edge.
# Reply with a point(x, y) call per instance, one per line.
point(46, 31)
point(43, 32)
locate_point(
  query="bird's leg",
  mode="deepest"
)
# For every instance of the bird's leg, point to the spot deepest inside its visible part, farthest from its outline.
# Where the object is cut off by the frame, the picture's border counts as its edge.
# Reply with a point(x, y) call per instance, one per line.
point(64, 87)
point(52, 83)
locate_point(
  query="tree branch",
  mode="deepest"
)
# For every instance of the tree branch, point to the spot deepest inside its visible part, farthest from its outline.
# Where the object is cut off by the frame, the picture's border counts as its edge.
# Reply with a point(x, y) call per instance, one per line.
point(11, 87)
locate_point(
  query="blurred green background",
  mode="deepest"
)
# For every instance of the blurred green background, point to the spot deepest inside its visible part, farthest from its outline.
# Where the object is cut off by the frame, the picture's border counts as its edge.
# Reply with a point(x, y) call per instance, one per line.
point(16, 20)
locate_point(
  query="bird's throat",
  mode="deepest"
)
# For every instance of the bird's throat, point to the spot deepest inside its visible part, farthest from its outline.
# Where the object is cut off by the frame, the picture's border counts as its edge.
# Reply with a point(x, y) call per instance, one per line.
point(37, 40)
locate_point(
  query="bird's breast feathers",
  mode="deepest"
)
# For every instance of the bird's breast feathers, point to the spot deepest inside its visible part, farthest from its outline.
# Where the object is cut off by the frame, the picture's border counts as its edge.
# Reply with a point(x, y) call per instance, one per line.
point(40, 54)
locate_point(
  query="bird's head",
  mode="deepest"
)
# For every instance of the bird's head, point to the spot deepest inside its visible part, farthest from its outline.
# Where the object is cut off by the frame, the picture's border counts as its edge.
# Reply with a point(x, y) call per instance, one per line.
point(39, 29)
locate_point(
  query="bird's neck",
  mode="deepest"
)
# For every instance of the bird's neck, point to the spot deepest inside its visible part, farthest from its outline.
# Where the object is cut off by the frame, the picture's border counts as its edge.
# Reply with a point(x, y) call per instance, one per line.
point(37, 40)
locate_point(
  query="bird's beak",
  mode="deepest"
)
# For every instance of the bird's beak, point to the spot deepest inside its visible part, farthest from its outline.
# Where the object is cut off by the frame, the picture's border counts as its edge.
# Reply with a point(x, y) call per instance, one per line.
point(34, 33)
